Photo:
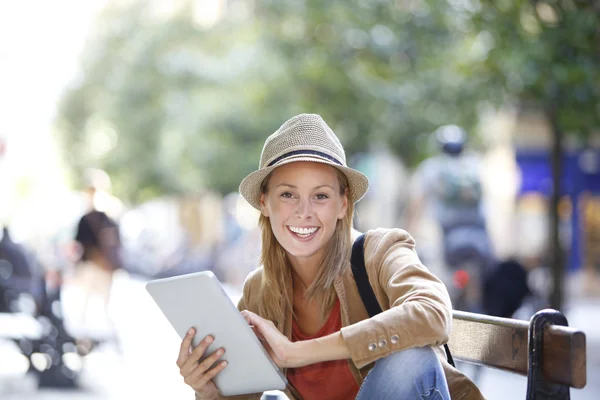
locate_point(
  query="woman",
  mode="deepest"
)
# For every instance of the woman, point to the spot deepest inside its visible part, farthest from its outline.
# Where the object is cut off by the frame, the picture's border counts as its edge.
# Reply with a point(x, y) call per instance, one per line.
point(303, 301)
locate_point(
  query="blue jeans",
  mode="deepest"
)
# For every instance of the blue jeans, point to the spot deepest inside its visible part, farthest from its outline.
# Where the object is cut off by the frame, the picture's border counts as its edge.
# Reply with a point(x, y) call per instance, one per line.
point(408, 374)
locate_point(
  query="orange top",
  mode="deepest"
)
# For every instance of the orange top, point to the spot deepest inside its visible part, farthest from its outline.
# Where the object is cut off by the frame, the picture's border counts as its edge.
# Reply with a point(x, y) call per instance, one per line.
point(328, 380)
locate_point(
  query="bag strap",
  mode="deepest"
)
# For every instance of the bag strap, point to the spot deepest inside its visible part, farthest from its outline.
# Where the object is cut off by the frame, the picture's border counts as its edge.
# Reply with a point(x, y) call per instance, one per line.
point(359, 270)
point(357, 262)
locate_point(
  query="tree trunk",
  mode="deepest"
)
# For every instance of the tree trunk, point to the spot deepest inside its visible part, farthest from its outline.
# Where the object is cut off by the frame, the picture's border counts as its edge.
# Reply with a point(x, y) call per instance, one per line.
point(557, 261)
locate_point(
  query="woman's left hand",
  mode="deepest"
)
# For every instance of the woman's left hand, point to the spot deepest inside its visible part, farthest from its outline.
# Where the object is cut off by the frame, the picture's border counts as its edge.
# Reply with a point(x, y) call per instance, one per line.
point(283, 352)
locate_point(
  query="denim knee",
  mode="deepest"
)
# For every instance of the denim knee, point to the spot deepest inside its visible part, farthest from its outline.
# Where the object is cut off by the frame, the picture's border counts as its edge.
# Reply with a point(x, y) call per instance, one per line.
point(416, 364)
point(408, 374)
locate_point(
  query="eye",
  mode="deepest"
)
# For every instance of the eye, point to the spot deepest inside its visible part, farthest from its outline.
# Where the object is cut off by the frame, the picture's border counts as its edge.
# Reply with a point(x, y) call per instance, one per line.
point(322, 196)
point(286, 195)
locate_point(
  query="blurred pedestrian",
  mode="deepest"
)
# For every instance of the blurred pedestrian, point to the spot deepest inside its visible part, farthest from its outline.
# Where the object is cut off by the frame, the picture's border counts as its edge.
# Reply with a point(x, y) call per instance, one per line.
point(448, 187)
point(99, 254)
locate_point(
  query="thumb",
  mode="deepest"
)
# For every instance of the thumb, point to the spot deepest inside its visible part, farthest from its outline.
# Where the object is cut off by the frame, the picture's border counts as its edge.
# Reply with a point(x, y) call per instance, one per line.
point(261, 325)
point(245, 314)
point(257, 333)
point(253, 319)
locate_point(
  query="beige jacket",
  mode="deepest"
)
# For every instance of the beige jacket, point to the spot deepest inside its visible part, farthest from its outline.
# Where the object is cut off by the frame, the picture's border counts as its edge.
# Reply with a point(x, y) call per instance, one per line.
point(416, 310)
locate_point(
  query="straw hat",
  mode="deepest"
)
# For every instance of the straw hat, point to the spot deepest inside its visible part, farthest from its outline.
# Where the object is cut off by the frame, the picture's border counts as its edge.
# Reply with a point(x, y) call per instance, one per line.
point(305, 137)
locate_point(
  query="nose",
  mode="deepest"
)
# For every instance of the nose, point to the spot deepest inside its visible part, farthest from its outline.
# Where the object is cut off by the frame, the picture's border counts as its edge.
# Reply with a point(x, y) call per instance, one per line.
point(304, 209)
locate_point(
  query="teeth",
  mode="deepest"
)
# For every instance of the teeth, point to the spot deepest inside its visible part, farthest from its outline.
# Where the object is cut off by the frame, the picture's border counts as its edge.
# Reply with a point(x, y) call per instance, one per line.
point(303, 231)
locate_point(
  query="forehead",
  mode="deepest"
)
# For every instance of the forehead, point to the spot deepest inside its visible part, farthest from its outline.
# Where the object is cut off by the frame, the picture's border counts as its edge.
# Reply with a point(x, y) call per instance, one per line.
point(305, 173)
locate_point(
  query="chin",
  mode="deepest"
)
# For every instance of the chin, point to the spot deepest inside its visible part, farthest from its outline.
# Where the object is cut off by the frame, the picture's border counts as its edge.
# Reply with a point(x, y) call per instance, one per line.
point(298, 250)
point(302, 253)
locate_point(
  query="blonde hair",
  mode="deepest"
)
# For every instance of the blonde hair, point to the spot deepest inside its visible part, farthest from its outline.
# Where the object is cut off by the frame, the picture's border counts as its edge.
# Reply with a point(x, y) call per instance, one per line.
point(276, 265)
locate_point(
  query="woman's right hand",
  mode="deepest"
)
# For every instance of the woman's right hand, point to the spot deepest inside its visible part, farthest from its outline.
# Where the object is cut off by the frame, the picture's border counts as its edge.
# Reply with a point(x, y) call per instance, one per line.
point(199, 375)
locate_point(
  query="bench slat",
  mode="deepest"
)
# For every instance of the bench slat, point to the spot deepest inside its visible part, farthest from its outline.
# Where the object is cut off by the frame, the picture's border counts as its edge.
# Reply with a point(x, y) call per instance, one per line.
point(564, 356)
point(495, 345)
point(503, 343)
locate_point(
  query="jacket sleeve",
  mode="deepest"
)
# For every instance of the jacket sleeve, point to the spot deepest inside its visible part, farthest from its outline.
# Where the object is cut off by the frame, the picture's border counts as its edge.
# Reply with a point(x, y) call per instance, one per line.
point(417, 309)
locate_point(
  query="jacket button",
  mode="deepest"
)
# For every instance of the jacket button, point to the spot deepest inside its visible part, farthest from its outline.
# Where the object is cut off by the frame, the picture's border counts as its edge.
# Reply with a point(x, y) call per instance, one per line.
point(372, 347)
point(382, 343)
point(395, 339)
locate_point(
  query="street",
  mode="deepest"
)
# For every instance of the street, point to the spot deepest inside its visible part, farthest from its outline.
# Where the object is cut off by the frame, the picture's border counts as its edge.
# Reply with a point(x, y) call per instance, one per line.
point(140, 364)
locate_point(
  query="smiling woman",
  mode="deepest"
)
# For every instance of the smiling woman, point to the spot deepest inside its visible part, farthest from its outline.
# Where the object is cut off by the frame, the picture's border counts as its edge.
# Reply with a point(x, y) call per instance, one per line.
point(303, 216)
point(303, 301)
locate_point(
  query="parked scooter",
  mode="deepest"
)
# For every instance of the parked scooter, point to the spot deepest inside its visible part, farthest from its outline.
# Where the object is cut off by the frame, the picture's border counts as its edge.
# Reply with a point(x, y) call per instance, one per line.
point(35, 314)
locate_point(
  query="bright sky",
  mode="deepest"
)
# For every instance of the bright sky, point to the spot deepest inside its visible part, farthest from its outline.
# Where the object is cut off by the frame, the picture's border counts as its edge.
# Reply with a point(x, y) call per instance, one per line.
point(39, 45)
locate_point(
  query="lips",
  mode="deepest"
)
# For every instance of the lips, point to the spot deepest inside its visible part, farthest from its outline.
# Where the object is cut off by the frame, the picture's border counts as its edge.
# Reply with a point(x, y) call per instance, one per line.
point(303, 234)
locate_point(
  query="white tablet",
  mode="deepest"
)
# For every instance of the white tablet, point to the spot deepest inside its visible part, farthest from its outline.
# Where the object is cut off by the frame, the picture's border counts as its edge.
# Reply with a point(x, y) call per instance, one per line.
point(198, 300)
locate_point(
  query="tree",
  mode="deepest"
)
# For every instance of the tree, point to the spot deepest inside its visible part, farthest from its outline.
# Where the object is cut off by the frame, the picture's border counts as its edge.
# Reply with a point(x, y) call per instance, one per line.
point(154, 103)
point(545, 55)
point(167, 107)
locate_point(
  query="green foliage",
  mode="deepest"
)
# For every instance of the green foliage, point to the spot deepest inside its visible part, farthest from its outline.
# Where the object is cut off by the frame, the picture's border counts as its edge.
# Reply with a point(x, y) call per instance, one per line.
point(545, 53)
point(165, 106)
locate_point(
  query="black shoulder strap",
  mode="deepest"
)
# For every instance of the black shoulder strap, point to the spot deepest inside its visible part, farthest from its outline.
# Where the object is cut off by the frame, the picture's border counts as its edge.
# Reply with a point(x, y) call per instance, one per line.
point(359, 270)
point(357, 262)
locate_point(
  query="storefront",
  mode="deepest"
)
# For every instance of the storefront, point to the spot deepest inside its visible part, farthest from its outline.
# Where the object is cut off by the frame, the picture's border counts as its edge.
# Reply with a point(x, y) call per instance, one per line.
point(579, 208)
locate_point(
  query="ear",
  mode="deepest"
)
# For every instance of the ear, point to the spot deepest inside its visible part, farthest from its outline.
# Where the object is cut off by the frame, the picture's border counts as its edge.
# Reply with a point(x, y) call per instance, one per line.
point(263, 206)
point(344, 209)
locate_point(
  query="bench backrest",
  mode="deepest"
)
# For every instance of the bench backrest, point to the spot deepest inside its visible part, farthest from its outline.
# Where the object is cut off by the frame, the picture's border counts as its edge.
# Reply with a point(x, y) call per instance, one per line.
point(503, 343)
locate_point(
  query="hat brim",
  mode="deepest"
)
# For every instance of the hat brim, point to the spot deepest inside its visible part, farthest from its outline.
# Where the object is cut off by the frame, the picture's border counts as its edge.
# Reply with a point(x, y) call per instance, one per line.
point(250, 185)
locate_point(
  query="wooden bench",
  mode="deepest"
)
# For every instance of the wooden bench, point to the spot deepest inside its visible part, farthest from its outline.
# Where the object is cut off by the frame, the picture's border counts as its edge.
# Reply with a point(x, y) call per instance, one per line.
point(550, 353)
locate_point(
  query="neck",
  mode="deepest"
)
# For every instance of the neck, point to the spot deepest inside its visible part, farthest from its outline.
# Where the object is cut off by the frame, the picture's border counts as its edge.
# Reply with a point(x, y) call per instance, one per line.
point(304, 271)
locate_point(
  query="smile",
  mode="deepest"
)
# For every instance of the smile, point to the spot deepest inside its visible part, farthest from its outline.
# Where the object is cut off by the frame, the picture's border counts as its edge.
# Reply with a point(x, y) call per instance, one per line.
point(303, 233)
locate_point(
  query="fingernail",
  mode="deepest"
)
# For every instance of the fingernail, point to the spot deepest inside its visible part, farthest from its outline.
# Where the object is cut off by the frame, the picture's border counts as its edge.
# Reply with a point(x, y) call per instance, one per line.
point(224, 363)
point(220, 351)
point(191, 331)
point(209, 339)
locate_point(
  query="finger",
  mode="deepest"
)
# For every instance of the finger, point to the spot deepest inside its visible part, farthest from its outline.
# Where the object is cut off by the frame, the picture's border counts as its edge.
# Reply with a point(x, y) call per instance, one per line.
point(246, 316)
point(263, 326)
point(192, 378)
point(253, 319)
point(210, 360)
point(192, 361)
point(184, 349)
point(255, 324)
point(203, 379)
point(257, 332)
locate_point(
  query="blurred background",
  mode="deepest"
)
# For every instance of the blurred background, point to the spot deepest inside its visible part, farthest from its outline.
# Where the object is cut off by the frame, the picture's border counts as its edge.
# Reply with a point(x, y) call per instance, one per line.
point(126, 127)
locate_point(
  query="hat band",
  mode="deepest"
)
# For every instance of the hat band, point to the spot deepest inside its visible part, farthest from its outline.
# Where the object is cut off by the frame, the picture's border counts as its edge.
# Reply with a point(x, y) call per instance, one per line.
point(304, 152)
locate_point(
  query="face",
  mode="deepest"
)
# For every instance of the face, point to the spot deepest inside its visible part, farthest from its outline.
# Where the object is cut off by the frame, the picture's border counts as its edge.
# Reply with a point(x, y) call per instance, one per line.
point(303, 204)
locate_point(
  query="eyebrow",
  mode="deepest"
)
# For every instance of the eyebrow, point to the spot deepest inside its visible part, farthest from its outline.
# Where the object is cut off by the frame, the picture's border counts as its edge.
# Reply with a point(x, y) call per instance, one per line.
point(315, 188)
